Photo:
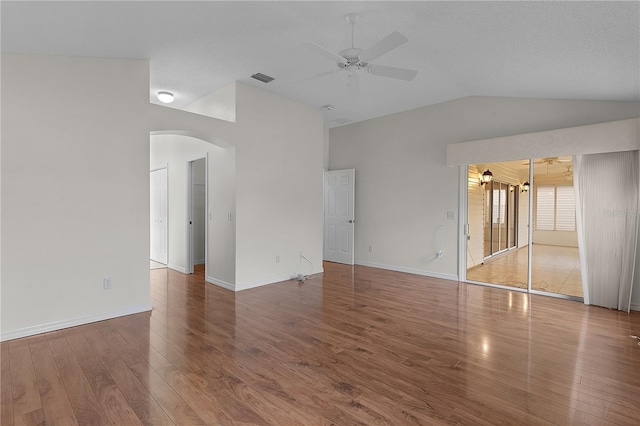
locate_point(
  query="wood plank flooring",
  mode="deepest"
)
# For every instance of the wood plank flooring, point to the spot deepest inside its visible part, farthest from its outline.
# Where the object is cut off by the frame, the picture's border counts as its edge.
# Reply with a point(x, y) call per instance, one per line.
point(353, 346)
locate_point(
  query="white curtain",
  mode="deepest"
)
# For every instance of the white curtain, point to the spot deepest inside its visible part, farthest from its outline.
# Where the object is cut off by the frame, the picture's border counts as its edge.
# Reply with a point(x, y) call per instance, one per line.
point(607, 193)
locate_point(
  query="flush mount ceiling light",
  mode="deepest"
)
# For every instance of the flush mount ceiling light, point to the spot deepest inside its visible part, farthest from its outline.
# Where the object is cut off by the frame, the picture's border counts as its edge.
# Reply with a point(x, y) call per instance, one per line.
point(165, 97)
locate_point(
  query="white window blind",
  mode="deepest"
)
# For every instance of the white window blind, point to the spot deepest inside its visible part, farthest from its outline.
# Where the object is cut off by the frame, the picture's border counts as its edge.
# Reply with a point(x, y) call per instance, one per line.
point(565, 208)
point(555, 208)
point(545, 203)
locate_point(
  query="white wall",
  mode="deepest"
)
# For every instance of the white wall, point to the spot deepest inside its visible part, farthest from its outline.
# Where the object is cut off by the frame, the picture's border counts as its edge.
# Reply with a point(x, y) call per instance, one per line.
point(555, 238)
point(221, 262)
point(272, 188)
point(75, 191)
point(325, 155)
point(176, 151)
point(635, 295)
point(404, 188)
point(75, 174)
point(279, 164)
point(220, 104)
point(475, 219)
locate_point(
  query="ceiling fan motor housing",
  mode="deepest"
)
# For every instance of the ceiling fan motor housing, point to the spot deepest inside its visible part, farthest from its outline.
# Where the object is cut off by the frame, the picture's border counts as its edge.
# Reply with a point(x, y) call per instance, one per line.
point(352, 56)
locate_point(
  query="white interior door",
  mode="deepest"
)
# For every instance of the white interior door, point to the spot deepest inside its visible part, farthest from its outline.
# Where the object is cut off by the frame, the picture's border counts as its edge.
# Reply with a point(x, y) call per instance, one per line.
point(339, 215)
point(196, 241)
point(158, 210)
point(198, 210)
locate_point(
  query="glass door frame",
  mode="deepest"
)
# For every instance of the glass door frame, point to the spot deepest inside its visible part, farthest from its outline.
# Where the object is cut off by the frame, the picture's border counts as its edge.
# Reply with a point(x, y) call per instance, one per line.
point(464, 232)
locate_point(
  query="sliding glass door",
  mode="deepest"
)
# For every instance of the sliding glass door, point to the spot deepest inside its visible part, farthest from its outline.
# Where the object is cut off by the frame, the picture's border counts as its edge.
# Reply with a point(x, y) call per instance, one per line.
point(521, 226)
point(497, 231)
point(500, 217)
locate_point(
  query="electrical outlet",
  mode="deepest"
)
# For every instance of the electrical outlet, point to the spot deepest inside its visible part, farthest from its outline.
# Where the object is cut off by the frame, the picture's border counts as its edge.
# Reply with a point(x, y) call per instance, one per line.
point(277, 258)
point(451, 215)
point(107, 283)
point(370, 248)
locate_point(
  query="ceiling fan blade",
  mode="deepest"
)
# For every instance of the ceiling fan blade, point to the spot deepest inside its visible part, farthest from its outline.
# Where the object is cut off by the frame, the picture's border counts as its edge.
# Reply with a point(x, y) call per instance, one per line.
point(393, 72)
point(385, 45)
point(325, 52)
point(353, 85)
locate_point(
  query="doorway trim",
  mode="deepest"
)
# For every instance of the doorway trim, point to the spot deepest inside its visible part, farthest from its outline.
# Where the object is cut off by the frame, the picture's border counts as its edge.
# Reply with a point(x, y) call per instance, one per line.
point(164, 166)
point(339, 220)
point(463, 222)
point(189, 213)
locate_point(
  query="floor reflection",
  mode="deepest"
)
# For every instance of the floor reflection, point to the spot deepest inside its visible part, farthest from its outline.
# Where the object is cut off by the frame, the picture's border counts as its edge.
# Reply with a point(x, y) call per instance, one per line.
point(364, 345)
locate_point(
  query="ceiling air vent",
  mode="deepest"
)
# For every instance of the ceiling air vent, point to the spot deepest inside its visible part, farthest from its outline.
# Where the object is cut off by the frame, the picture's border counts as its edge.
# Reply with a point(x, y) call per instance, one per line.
point(261, 77)
point(327, 107)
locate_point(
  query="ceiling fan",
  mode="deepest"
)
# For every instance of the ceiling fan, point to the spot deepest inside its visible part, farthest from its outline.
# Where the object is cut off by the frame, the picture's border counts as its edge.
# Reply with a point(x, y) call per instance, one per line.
point(549, 161)
point(568, 174)
point(354, 60)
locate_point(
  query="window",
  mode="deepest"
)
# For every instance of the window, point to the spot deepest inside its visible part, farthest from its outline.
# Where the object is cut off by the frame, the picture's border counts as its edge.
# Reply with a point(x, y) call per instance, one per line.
point(565, 208)
point(545, 200)
point(555, 208)
point(499, 205)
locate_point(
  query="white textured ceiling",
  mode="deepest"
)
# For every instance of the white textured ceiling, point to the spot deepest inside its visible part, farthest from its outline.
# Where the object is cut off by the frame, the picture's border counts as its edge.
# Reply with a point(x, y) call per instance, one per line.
point(569, 50)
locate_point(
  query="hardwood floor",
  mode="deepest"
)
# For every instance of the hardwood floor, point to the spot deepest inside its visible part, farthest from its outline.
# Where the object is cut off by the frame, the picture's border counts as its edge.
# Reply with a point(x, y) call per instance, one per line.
point(355, 345)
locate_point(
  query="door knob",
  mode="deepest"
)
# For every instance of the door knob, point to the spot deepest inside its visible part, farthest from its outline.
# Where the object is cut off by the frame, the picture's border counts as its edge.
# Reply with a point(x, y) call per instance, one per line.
point(351, 221)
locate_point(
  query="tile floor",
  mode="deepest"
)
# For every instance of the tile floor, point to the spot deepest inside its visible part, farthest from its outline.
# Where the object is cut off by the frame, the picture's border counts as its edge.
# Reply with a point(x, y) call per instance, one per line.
point(555, 269)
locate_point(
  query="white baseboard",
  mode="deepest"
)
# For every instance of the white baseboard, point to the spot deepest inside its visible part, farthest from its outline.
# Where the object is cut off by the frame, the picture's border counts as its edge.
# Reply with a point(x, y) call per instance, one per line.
point(273, 281)
point(449, 277)
point(265, 282)
point(221, 283)
point(177, 268)
point(635, 307)
point(59, 325)
point(198, 262)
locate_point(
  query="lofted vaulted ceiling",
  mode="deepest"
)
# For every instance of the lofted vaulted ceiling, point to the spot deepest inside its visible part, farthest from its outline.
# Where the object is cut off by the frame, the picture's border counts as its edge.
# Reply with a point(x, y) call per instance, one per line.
point(564, 50)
